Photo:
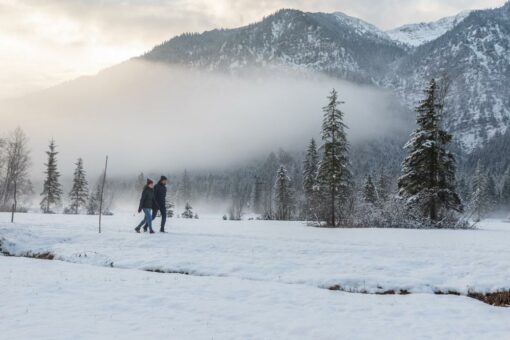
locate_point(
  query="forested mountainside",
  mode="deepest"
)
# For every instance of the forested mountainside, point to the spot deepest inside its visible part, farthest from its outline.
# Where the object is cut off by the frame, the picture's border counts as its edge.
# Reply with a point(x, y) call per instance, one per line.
point(474, 53)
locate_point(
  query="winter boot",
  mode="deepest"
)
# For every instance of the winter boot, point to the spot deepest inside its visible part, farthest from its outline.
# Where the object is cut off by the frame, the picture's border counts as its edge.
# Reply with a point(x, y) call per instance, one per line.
point(151, 231)
point(137, 229)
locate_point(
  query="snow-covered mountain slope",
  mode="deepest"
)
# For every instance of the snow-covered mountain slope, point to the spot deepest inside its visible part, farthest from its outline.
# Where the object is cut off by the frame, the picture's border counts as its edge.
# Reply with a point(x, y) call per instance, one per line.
point(475, 55)
point(419, 34)
point(335, 43)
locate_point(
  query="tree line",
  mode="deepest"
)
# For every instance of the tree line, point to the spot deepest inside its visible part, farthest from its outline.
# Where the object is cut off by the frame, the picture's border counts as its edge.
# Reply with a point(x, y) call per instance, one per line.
point(331, 183)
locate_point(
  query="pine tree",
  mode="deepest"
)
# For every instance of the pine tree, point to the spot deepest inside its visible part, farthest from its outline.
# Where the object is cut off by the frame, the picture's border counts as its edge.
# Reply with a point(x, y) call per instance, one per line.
point(283, 195)
point(492, 194)
point(80, 191)
point(334, 176)
point(52, 190)
point(428, 172)
point(140, 182)
point(464, 190)
point(369, 191)
point(310, 184)
point(185, 188)
point(93, 202)
point(268, 171)
point(383, 186)
point(258, 196)
point(479, 199)
point(188, 211)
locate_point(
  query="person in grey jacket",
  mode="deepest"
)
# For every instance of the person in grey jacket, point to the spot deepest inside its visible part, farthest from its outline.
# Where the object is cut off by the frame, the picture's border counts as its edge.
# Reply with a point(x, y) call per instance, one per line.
point(147, 202)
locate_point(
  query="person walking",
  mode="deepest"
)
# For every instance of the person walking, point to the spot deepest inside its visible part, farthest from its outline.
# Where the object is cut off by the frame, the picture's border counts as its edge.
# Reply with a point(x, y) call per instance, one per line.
point(159, 203)
point(147, 203)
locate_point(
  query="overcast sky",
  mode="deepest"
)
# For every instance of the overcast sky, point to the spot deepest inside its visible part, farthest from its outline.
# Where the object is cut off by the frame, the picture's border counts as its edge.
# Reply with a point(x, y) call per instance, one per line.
point(46, 42)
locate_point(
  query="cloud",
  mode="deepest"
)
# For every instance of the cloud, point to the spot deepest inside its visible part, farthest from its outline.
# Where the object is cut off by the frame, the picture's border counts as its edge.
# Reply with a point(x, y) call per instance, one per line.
point(46, 42)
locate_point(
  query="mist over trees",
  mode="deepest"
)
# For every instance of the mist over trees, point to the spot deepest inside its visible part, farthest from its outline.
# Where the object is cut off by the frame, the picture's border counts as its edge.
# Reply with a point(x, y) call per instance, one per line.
point(331, 183)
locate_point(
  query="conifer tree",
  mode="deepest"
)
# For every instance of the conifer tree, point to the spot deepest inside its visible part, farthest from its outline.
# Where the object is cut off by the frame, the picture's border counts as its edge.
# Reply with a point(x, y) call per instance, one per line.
point(52, 190)
point(479, 197)
point(93, 202)
point(258, 196)
point(464, 190)
point(188, 211)
point(79, 192)
point(141, 180)
point(334, 176)
point(283, 195)
point(185, 188)
point(492, 194)
point(428, 172)
point(310, 184)
point(369, 191)
point(383, 186)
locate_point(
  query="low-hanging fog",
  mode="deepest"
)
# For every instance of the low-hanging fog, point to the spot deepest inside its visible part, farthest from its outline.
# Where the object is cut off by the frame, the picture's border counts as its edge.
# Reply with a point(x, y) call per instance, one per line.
point(157, 118)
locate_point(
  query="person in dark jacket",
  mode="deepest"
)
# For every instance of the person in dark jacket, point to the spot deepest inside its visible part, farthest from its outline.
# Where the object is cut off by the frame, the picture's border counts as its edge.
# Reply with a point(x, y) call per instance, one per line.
point(147, 203)
point(160, 203)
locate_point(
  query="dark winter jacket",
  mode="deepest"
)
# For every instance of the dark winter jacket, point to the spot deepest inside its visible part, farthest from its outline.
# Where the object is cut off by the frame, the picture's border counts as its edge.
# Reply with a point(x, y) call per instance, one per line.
point(147, 200)
point(160, 195)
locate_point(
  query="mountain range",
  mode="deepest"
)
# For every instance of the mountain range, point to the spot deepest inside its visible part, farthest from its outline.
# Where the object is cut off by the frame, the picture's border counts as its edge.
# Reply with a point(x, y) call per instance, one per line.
point(472, 49)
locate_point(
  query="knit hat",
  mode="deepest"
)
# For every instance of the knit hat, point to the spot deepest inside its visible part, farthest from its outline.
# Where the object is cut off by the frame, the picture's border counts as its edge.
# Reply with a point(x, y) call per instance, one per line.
point(149, 181)
point(163, 178)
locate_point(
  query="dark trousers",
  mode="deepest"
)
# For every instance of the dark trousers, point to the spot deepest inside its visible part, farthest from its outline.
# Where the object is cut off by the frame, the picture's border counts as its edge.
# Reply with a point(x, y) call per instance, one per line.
point(155, 214)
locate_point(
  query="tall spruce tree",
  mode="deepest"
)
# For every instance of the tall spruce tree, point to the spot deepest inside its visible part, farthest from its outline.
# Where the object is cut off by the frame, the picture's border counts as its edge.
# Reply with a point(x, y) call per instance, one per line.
point(310, 183)
point(80, 191)
point(334, 176)
point(283, 195)
point(428, 172)
point(52, 190)
point(369, 191)
point(479, 199)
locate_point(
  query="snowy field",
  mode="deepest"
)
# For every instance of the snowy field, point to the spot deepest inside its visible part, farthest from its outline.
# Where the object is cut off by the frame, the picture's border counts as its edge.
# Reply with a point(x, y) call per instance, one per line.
point(247, 280)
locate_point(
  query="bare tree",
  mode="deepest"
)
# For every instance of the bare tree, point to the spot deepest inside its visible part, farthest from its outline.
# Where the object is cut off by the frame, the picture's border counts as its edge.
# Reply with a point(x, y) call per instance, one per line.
point(17, 163)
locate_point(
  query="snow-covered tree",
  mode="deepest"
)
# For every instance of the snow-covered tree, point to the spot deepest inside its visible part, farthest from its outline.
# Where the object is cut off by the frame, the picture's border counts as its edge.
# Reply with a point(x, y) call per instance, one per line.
point(369, 191)
point(141, 181)
point(185, 188)
point(283, 195)
point(479, 198)
point(188, 211)
point(80, 191)
point(52, 190)
point(334, 176)
point(428, 173)
point(269, 169)
point(493, 196)
point(258, 196)
point(383, 186)
point(93, 202)
point(15, 182)
point(95, 198)
point(464, 190)
point(310, 184)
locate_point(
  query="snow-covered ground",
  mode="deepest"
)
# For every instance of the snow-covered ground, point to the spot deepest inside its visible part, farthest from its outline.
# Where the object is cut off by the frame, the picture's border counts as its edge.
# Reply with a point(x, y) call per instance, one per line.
point(250, 279)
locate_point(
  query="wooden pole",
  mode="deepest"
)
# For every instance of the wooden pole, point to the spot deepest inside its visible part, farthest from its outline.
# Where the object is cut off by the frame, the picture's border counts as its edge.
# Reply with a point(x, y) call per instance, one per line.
point(102, 191)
